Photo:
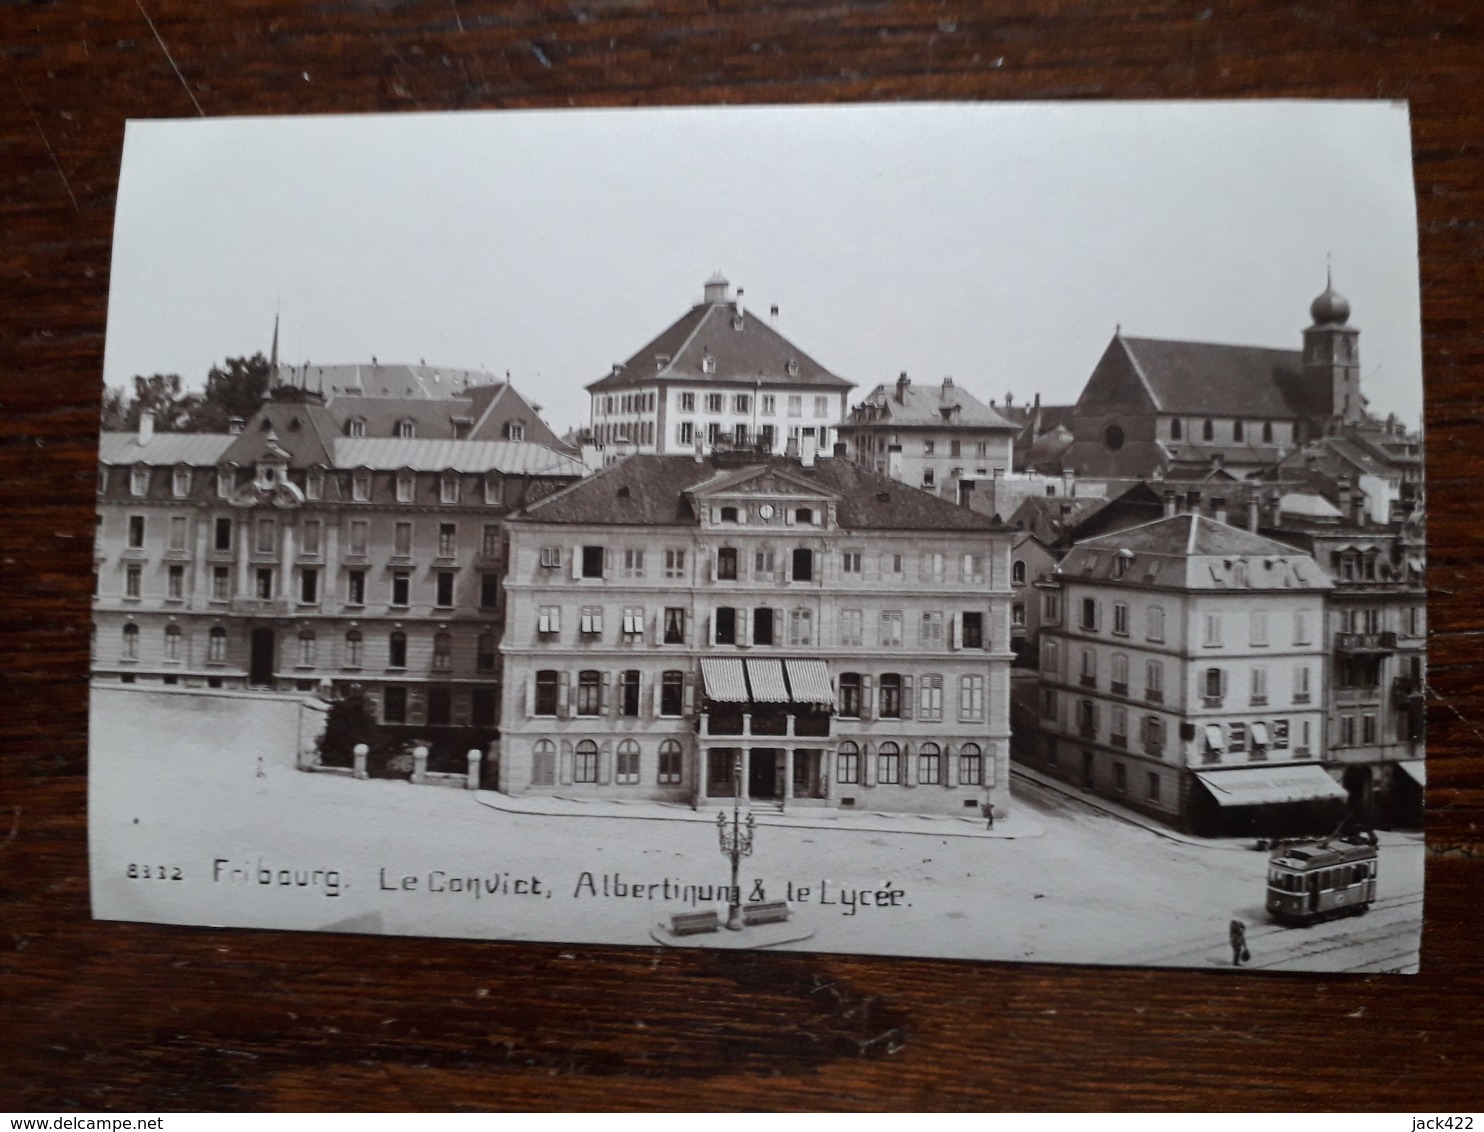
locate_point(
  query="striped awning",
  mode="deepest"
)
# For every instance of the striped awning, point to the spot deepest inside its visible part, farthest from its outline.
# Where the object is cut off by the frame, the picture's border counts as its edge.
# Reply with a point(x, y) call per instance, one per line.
point(1257, 786)
point(766, 678)
point(724, 680)
point(810, 683)
point(1416, 769)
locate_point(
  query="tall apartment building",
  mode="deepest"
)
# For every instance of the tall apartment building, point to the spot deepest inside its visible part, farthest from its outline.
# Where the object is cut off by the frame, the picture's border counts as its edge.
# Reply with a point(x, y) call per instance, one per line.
point(720, 376)
point(940, 438)
point(842, 636)
point(299, 555)
point(1183, 673)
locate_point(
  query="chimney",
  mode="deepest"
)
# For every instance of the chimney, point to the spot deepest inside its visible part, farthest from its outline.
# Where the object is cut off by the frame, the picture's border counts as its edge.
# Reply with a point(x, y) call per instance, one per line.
point(146, 427)
point(1169, 503)
point(1344, 493)
point(236, 425)
point(947, 387)
point(1218, 509)
point(1009, 399)
point(737, 314)
point(1252, 513)
point(903, 384)
point(1358, 503)
point(773, 313)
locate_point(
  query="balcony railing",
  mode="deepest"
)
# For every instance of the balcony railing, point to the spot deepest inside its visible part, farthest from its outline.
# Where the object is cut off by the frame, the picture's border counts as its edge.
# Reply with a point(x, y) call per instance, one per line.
point(1365, 642)
point(261, 606)
point(1089, 681)
point(1119, 687)
point(1213, 701)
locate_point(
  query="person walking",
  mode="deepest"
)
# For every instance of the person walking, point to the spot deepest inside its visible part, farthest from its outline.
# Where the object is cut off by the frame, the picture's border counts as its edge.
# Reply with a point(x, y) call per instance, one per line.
point(1237, 933)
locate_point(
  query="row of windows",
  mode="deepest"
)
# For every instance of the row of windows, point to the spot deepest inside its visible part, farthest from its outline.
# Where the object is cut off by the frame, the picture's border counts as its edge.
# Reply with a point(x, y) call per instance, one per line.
point(1213, 680)
point(767, 403)
point(1152, 779)
point(263, 581)
point(634, 432)
point(891, 764)
point(451, 485)
point(267, 533)
point(732, 564)
point(896, 696)
point(1237, 431)
point(1216, 738)
point(305, 648)
point(1090, 620)
point(626, 403)
point(397, 706)
point(627, 762)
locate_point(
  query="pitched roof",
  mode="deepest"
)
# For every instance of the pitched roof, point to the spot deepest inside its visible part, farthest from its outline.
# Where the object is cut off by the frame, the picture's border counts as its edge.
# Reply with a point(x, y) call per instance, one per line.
point(657, 490)
point(745, 350)
point(398, 380)
point(919, 406)
point(199, 449)
point(505, 456)
point(1211, 380)
point(1193, 552)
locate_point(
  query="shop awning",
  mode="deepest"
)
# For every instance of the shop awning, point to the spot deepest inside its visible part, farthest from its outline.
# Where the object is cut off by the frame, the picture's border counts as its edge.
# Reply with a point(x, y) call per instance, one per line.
point(1215, 741)
point(1267, 785)
point(810, 683)
point(766, 678)
point(1415, 769)
point(1260, 735)
point(724, 680)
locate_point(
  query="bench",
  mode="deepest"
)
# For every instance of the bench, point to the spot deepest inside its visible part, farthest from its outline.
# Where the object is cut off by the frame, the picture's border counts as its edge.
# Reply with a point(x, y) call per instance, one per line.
point(694, 923)
point(773, 912)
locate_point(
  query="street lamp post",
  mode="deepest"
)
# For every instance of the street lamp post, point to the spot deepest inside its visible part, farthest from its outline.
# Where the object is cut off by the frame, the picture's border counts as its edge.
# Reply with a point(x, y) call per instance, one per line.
point(736, 843)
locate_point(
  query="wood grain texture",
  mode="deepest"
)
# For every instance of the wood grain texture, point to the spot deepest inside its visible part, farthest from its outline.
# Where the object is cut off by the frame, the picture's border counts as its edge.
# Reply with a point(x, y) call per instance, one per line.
point(139, 1017)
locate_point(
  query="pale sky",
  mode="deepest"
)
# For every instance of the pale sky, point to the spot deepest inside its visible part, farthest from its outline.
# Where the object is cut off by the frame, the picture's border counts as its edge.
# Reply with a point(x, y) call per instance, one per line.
point(998, 243)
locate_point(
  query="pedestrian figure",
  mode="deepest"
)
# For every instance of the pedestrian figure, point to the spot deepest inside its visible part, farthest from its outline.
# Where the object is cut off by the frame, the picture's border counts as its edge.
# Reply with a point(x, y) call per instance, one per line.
point(1238, 935)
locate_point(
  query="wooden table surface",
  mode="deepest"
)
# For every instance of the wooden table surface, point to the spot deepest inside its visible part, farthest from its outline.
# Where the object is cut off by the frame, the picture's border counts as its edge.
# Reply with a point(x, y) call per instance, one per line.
point(111, 1016)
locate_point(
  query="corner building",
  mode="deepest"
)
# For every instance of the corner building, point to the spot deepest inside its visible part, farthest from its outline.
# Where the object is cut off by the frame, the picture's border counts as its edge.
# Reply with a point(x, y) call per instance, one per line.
point(841, 638)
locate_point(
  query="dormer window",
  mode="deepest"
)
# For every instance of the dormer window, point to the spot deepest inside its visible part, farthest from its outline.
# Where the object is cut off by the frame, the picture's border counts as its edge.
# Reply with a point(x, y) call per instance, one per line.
point(804, 515)
point(360, 485)
point(405, 484)
point(708, 364)
point(180, 483)
point(515, 430)
point(224, 482)
point(448, 488)
point(728, 514)
point(314, 484)
point(356, 428)
point(661, 361)
point(494, 490)
point(406, 430)
point(139, 480)
point(791, 367)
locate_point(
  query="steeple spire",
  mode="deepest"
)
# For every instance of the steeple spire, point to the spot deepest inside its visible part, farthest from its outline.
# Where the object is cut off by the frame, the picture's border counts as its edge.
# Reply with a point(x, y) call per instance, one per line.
point(273, 357)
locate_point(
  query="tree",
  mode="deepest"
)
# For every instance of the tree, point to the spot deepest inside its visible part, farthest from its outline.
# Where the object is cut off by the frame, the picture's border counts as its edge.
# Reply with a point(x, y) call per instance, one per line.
point(115, 409)
point(162, 395)
point(233, 391)
point(351, 720)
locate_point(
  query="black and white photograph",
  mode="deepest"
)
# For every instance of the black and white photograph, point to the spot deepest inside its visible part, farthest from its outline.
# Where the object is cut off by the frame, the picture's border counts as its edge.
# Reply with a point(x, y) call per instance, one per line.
point(975, 531)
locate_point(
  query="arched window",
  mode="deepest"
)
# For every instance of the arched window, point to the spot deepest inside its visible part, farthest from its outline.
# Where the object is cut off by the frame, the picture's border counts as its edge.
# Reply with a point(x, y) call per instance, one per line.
point(929, 764)
point(353, 649)
point(1017, 572)
point(848, 764)
point(172, 642)
point(585, 767)
point(543, 763)
point(1208, 430)
point(1237, 430)
point(442, 652)
point(1113, 437)
point(397, 650)
point(216, 646)
point(970, 765)
point(626, 768)
point(1175, 429)
point(131, 642)
point(670, 765)
point(889, 764)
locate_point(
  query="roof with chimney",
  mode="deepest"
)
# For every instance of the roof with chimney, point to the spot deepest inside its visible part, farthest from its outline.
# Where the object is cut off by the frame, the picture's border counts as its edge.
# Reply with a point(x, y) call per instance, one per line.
point(939, 406)
point(163, 449)
point(718, 341)
point(651, 490)
point(385, 379)
point(1193, 552)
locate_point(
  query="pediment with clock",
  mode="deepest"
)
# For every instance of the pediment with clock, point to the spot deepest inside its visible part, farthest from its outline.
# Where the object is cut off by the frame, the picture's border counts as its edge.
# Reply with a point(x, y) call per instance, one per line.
point(765, 497)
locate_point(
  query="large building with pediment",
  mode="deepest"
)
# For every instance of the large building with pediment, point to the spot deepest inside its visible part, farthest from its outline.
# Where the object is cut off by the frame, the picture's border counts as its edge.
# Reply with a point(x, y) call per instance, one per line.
point(809, 631)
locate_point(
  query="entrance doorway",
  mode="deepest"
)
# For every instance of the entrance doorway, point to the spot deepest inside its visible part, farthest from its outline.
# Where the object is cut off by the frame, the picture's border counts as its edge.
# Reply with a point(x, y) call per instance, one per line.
point(720, 763)
point(762, 773)
point(260, 673)
point(807, 779)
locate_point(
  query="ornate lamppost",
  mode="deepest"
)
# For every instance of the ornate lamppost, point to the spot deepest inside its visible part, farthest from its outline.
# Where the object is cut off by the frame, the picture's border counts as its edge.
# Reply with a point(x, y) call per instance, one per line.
point(736, 843)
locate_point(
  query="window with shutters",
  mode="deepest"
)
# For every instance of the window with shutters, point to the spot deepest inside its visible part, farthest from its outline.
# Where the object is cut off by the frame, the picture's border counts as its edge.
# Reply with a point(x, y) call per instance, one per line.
point(1154, 681)
point(592, 561)
point(971, 698)
point(590, 621)
point(850, 623)
point(850, 695)
point(1154, 623)
point(626, 763)
point(725, 626)
point(930, 629)
point(890, 696)
point(674, 626)
point(1048, 703)
point(549, 619)
point(672, 693)
point(1257, 628)
point(800, 628)
point(543, 763)
point(970, 765)
point(1087, 718)
point(1259, 696)
point(973, 629)
point(1118, 725)
point(548, 684)
point(889, 764)
point(589, 692)
point(1154, 736)
point(762, 626)
point(763, 564)
point(929, 765)
point(585, 762)
point(1120, 619)
point(1214, 682)
point(1212, 637)
point(669, 762)
point(633, 620)
point(848, 764)
point(972, 568)
point(1302, 691)
point(930, 697)
point(1119, 680)
point(674, 563)
point(891, 628)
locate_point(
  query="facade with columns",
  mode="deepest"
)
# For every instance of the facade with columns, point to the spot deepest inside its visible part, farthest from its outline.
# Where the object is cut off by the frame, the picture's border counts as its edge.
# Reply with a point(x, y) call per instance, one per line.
point(720, 376)
point(840, 639)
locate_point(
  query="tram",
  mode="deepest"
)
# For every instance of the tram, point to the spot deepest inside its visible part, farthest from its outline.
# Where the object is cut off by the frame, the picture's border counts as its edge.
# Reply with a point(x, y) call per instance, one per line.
point(1309, 883)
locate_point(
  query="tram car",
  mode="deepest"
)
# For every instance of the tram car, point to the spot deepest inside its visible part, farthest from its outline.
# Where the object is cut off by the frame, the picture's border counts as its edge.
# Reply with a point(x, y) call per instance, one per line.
point(1309, 883)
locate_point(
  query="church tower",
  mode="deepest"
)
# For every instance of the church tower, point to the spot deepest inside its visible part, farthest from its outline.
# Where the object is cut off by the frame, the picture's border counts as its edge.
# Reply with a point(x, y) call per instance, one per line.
point(1332, 362)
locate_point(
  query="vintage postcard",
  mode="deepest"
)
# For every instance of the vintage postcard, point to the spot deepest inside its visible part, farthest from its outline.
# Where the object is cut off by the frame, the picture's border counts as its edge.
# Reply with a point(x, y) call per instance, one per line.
point(979, 531)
